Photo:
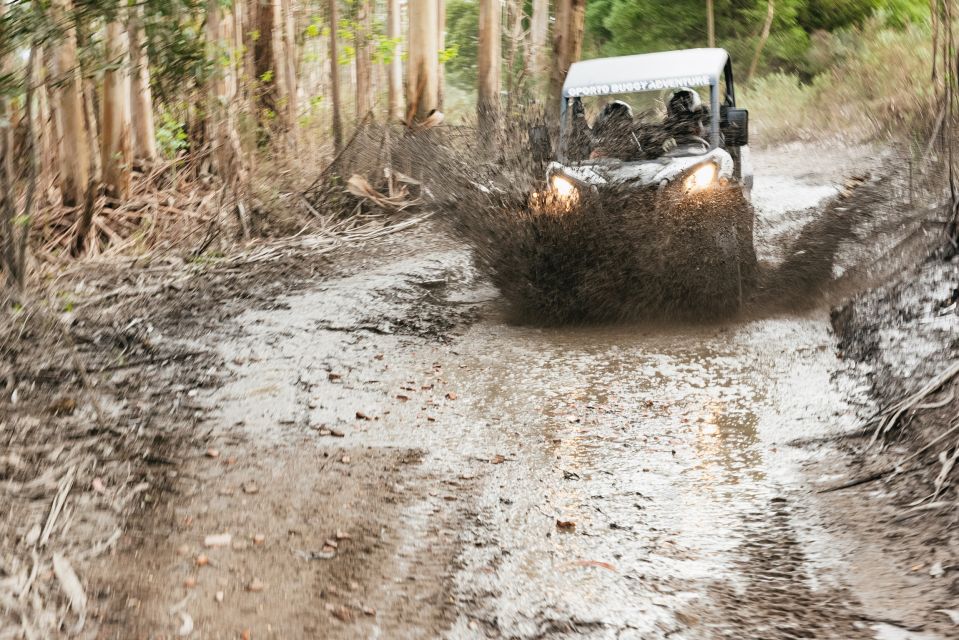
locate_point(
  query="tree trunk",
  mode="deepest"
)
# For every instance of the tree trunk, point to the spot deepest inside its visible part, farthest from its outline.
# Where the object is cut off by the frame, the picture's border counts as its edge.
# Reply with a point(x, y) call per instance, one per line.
point(539, 31)
point(227, 155)
point(335, 78)
point(141, 96)
point(567, 42)
point(395, 72)
point(364, 58)
point(422, 82)
point(763, 37)
point(440, 47)
point(488, 64)
point(710, 24)
point(45, 125)
point(116, 148)
point(66, 92)
point(268, 75)
point(289, 88)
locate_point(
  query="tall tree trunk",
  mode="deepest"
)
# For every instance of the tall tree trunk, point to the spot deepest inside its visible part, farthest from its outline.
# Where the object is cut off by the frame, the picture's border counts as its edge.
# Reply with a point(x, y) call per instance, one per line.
point(45, 125)
point(422, 81)
point(539, 32)
point(567, 42)
point(395, 72)
point(763, 37)
point(363, 33)
point(710, 24)
point(488, 63)
point(67, 99)
point(268, 74)
point(440, 47)
point(289, 61)
point(116, 145)
point(141, 96)
point(335, 77)
point(221, 111)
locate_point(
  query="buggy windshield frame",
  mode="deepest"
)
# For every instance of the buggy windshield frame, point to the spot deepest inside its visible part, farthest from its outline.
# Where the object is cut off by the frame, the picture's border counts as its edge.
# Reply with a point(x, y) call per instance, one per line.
point(651, 72)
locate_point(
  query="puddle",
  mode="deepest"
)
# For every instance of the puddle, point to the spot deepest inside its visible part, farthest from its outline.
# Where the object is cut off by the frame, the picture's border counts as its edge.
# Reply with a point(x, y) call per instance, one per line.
point(633, 481)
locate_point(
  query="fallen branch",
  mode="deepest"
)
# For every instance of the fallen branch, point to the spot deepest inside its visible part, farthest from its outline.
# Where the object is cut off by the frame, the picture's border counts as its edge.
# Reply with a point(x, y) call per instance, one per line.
point(892, 416)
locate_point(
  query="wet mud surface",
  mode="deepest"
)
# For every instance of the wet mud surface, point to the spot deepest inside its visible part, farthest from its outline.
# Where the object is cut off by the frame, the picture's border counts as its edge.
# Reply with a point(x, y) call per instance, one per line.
point(393, 457)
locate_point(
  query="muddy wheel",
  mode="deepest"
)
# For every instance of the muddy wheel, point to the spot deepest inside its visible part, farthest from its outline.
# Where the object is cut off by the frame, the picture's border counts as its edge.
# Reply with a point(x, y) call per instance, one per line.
point(748, 264)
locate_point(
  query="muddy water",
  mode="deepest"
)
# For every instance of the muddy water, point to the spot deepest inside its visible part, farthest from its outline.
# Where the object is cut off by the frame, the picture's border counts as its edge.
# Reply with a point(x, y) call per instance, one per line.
point(607, 482)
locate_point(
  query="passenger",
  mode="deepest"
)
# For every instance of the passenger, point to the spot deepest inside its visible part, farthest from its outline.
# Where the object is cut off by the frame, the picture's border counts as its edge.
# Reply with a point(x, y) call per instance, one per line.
point(613, 134)
point(685, 113)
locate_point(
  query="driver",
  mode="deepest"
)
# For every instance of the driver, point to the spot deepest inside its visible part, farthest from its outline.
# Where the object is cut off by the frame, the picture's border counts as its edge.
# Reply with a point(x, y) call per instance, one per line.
point(684, 117)
point(613, 135)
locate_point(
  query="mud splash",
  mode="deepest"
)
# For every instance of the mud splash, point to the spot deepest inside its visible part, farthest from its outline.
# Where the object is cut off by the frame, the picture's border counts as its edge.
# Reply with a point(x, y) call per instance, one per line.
point(614, 257)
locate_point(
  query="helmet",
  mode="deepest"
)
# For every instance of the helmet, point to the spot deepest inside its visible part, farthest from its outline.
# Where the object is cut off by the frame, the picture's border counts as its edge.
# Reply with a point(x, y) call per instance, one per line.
point(615, 112)
point(684, 101)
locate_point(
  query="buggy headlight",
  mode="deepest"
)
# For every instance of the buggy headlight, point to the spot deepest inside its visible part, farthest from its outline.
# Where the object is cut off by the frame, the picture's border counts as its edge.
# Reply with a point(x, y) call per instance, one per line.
point(702, 177)
point(563, 187)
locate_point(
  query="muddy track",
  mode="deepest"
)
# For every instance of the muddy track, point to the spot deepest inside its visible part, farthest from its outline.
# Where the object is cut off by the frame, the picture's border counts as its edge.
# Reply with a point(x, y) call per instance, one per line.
point(391, 457)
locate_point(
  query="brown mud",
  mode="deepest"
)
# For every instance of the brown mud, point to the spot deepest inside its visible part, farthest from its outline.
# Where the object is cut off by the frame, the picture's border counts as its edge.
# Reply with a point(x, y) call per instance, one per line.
point(392, 457)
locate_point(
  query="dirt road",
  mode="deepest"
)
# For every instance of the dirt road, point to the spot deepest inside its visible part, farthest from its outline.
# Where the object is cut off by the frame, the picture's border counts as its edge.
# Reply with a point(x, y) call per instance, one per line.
point(391, 458)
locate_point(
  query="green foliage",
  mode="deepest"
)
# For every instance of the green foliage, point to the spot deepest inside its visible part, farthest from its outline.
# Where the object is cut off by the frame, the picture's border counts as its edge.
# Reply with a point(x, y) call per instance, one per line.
point(462, 37)
point(621, 27)
point(171, 135)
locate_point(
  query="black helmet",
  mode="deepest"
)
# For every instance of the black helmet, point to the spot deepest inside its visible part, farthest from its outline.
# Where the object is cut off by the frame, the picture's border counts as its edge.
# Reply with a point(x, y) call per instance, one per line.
point(615, 112)
point(684, 101)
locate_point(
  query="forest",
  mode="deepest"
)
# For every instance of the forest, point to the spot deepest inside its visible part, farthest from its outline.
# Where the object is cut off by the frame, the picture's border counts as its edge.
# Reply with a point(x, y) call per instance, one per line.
point(319, 320)
point(106, 103)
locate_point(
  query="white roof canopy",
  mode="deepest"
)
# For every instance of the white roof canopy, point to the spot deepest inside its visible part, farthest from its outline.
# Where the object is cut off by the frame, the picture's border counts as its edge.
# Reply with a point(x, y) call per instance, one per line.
point(645, 72)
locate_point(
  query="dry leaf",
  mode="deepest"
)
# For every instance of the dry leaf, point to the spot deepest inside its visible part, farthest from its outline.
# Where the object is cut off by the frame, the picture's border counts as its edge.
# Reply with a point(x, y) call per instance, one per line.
point(565, 524)
point(218, 540)
point(333, 376)
point(212, 453)
point(498, 459)
point(259, 538)
point(451, 395)
point(186, 624)
point(596, 563)
point(342, 613)
point(70, 584)
point(361, 416)
point(402, 398)
point(342, 535)
point(952, 613)
point(202, 560)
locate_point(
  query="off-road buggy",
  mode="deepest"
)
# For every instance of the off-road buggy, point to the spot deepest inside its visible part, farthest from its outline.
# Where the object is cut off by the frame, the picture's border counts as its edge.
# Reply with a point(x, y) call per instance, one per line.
point(680, 152)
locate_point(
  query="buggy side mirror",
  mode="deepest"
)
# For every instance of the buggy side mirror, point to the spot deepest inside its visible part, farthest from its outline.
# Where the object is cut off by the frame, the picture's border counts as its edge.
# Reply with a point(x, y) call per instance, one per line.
point(735, 127)
point(539, 143)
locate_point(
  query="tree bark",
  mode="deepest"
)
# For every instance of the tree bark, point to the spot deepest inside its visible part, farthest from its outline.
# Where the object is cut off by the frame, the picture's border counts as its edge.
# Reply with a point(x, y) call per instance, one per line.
point(335, 78)
point(395, 71)
point(567, 42)
point(422, 82)
point(141, 96)
point(364, 58)
point(763, 37)
point(539, 31)
point(116, 148)
point(488, 63)
point(440, 48)
point(66, 92)
point(710, 24)
point(289, 60)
